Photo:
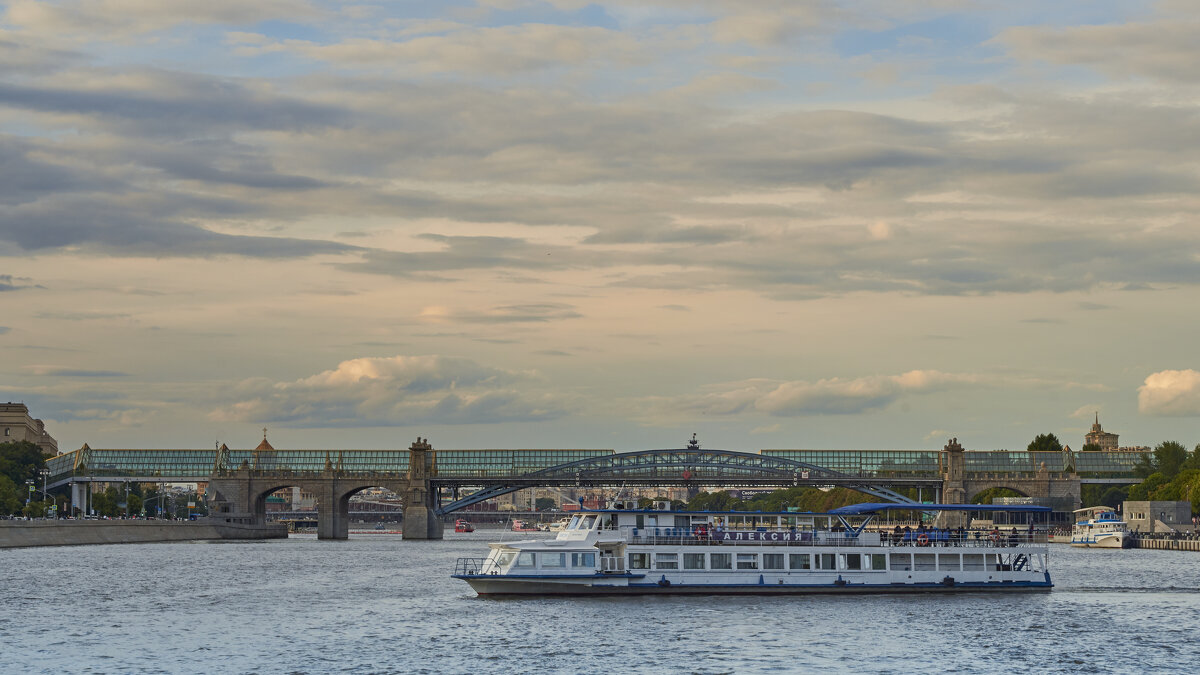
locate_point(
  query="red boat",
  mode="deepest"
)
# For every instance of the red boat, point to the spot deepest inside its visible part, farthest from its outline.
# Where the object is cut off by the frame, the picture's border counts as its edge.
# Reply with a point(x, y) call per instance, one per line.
point(461, 525)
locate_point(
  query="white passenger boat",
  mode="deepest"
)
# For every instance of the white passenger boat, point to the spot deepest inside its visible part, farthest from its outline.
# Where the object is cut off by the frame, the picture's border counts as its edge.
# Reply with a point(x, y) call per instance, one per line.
point(1099, 527)
point(654, 552)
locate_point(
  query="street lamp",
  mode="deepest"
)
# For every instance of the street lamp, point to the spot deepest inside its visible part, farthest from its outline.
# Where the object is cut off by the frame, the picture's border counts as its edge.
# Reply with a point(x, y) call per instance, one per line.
point(45, 495)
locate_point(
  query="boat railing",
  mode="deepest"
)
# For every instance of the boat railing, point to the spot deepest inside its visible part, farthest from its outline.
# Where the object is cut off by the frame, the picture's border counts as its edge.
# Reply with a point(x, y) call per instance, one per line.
point(939, 539)
point(476, 566)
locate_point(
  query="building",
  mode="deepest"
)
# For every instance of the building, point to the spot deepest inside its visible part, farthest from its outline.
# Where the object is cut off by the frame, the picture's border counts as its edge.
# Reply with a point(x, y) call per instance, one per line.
point(17, 425)
point(1099, 437)
point(1158, 516)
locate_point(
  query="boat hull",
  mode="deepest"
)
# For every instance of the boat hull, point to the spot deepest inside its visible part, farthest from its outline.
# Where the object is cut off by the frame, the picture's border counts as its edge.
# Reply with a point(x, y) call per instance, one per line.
point(1115, 540)
point(505, 587)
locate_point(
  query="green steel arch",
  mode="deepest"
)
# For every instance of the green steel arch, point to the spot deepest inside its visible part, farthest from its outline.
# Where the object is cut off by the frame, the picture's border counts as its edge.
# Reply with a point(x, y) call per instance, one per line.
point(691, 465)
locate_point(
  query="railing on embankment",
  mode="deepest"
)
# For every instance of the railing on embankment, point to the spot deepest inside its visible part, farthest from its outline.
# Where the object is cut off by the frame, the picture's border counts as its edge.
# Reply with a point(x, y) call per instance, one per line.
point(1166, 544)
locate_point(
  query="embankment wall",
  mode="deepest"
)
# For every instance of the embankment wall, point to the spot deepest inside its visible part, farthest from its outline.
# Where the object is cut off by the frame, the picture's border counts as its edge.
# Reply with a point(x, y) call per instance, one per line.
point(1167, 544)
point(20, 533)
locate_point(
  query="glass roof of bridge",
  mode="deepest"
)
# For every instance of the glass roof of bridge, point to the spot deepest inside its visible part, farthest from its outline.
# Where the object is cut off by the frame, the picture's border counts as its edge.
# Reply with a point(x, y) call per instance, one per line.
point(869, 463)
point(194, 465)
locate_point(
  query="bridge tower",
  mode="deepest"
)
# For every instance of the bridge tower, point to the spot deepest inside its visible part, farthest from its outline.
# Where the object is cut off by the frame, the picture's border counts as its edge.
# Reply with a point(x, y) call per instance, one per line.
point(954, 474)
point(420, 519)
point(953, 485)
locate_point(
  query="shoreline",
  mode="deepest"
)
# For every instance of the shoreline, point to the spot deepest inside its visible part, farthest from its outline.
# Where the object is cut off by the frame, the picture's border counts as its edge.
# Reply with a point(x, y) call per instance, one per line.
point(32, 533)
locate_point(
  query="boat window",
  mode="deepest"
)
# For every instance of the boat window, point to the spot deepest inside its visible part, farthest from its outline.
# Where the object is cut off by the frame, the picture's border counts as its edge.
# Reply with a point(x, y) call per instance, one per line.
point(683, 521)
point(639, 561)
point(505, 557)
point(878, 561)
point(798, 561)
point(574, 523)
point(772, 561)
point(587, 522)
point(853, 561)
point(583, 560)
point(554, 559)
point(824, 561)
point(608, 522)
point(901, 562)
point(747, 561)
point(924, 562)
point(693, 561)
point(948, 561)
point(526, 559)
point(973, 561)
point(641, 521)
point(666, 561)
point(720, 561)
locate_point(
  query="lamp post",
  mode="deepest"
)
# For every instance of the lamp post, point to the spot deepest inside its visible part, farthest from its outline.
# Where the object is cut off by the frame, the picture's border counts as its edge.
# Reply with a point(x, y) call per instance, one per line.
point(29, 494)
point(45, 473)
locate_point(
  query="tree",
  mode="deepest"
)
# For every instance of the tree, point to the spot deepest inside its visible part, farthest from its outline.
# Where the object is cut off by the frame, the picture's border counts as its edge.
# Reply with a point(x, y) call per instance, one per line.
point(1142, 491)
point(1102, 495)
point(1112, 497)
point(1168, 459)
point(1090, 447)
point(1045, 443)
point(21, 460)
point(544, 503)
point(11, 499)
point(989, 494)
point(715, 501)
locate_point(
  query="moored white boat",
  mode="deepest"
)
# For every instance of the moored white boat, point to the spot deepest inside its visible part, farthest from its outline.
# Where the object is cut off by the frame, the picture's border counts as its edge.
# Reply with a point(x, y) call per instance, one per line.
point(655, 552)
point(1099, 527)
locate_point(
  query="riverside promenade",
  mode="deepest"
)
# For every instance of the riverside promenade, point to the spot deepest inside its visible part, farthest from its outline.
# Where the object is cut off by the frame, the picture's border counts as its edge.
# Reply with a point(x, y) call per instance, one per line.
point(24, 533)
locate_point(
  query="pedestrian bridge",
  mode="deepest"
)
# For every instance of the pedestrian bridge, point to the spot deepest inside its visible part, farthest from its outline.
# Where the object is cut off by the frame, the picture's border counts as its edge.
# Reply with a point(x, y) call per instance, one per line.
point(448, 480)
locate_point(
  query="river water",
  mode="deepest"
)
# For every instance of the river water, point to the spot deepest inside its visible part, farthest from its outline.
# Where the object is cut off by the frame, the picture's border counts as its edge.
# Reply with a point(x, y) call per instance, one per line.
point(378, 604)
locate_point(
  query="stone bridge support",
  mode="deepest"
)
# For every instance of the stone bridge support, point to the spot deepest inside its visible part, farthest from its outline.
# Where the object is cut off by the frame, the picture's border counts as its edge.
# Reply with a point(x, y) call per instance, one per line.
point(420, 519)
point(1059, 490)
point(240, 495)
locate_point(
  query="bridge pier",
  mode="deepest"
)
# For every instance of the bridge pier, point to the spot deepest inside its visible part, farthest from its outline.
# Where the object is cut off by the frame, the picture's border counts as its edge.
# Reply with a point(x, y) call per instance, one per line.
point(420, 518)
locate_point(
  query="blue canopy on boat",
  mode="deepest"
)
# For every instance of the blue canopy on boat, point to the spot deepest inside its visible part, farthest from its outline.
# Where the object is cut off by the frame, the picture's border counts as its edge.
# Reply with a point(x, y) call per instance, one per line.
point(863, 509)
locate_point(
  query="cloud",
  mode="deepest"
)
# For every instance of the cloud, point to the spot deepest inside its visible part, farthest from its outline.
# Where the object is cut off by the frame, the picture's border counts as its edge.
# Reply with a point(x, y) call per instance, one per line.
point(61, 371)
point(113, 227)
point(829, 396)
point(528, 313)
point(838, 396)
point(501, 50)
point(87, 315)
point(1170, 393)
point(1163, 50)
point(132, 17)
point(10, 283)
point(174, 103)
point(395, 391)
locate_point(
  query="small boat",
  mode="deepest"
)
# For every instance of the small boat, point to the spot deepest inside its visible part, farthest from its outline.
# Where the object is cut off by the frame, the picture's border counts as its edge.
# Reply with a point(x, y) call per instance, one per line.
point(519, 525)
point(461, 525)
point(654, 552)
point(1099, 527)
point(560, 524)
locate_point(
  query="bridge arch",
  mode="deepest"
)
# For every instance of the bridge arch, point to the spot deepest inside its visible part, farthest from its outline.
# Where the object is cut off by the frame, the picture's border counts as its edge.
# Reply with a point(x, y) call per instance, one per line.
point(688, 466)
point(977, 491)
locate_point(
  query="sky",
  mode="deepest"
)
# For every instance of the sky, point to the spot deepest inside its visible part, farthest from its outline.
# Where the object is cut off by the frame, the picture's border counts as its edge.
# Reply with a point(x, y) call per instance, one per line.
point(524, 224)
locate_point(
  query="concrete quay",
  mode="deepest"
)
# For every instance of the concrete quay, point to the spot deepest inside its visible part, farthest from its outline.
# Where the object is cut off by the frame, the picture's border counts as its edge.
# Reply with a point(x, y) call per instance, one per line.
point(1167, 544)
point(23, 533)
